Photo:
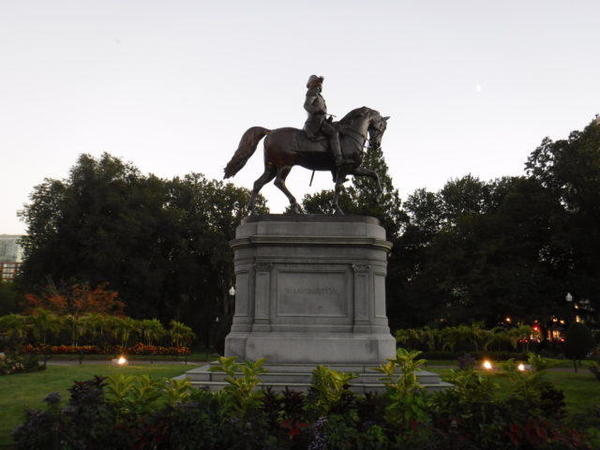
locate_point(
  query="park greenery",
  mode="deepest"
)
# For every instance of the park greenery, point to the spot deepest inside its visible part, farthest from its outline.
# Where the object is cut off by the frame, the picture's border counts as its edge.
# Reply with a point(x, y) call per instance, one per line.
point(474, 251)
point(468, 338)
point(45, 333)
point(117, 261)
point(507, 409)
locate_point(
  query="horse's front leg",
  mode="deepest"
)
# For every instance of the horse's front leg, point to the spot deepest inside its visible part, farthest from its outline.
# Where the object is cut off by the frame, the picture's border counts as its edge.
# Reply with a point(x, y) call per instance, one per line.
point(364, 172)
point(339, 182)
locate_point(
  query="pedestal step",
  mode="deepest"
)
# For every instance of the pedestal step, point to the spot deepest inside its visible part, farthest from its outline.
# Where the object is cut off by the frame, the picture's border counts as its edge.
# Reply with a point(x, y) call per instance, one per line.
point(298, 378)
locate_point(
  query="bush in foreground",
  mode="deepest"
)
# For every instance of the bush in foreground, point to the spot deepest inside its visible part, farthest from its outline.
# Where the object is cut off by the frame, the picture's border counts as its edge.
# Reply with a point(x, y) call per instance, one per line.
point(125, 412)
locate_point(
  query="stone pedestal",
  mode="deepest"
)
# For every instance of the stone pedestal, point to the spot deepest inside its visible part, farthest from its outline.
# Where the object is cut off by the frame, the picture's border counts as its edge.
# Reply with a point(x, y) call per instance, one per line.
point(310, 289)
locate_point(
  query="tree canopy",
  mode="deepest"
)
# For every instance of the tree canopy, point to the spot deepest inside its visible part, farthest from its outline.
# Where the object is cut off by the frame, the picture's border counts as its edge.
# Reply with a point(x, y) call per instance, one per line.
point(475, 250)
point(161, 244)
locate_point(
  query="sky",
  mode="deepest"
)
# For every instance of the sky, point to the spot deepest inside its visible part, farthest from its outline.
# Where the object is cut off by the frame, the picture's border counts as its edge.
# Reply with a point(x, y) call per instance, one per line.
point(471, 86)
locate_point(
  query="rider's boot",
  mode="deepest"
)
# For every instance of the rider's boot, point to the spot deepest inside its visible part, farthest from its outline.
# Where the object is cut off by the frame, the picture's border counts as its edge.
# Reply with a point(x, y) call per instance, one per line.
point(334, 142)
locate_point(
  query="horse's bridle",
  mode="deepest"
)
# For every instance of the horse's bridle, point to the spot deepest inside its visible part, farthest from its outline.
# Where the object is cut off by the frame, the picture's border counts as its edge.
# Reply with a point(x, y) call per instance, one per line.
point(361, 140)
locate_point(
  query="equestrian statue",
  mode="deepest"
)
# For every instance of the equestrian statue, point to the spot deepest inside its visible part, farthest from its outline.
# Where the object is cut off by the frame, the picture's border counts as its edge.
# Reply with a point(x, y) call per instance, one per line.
point(322, 145)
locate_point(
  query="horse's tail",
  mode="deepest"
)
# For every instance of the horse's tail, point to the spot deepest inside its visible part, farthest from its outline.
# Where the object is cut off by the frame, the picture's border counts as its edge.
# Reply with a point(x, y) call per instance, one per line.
point(245, 150)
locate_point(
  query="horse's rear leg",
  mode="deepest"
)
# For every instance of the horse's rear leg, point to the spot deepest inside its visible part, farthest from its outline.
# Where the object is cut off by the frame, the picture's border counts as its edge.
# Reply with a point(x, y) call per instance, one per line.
point(267, 176)
point(282, 174)
point(364, 172)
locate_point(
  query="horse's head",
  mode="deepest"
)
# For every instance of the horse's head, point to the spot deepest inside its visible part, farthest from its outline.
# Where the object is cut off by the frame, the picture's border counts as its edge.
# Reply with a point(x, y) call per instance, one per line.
point(377, 127)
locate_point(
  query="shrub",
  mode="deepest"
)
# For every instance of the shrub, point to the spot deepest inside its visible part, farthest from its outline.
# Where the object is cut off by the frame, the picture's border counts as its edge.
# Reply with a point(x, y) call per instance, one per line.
point(139, 412)
point(579, 343)
point(595, 369)
point(12, 363)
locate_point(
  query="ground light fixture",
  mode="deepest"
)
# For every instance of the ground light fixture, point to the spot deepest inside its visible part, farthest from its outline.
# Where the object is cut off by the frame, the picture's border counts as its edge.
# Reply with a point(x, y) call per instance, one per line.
point(521, 367)
point(120, 361)
point(487, 364)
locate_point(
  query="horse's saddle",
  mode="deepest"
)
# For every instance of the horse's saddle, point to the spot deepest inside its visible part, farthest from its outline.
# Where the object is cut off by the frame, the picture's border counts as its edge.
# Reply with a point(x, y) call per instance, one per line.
point(319, 143)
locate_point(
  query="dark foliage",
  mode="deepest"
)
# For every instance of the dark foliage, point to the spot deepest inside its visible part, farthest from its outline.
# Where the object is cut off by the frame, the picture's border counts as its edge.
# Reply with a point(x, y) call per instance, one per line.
point(163, 245)
point(579, 342)
point(470, 416)
point(483, 250)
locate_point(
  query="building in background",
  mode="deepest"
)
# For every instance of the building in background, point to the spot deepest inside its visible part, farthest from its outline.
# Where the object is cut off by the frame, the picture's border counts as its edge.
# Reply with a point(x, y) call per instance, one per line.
point(11, 256)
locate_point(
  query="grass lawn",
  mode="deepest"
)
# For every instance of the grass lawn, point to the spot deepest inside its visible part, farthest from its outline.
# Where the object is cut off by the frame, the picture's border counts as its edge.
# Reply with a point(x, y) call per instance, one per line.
point(27, 390)
point(581, 389)
point(556, 363)
point(194, 357)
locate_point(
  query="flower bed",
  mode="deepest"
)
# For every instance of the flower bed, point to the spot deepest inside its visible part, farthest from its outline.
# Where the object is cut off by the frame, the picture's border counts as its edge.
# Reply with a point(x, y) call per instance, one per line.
point(137, 349)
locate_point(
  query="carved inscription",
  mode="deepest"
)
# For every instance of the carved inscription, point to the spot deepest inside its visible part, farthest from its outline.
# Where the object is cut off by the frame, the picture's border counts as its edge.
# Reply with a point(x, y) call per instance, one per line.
point(311, 291)
point(311, 294)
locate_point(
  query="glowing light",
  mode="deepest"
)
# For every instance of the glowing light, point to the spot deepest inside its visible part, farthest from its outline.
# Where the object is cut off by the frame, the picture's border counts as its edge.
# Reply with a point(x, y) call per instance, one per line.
point(508, 319)
point(121, 361)
point(521, 367)
point(487, 364)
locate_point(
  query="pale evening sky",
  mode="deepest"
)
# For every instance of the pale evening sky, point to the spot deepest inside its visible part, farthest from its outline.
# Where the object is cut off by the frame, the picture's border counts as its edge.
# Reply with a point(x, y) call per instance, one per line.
point(471, 86)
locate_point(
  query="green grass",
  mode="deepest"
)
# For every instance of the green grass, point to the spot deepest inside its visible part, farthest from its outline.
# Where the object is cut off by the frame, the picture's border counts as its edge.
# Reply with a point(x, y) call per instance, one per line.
point(556, 363)
point(27, 390)
point(194, 357)
point(582, 389)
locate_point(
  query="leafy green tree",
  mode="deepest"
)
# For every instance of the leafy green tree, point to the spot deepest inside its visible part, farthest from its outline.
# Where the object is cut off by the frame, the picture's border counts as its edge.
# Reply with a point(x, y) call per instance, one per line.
point(11, 300)
point(476, 252)
point(180, 334)
point(13, 329)
point(152, 331)
point(569, 169)
point(163, 245)
point(44, 324)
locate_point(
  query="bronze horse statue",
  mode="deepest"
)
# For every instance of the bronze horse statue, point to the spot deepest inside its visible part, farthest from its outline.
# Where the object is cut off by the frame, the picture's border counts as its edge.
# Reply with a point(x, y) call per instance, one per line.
point(288, 147)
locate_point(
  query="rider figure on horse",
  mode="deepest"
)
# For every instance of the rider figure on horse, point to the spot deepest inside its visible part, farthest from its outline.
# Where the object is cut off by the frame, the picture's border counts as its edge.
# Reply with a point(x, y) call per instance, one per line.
point(317, 122)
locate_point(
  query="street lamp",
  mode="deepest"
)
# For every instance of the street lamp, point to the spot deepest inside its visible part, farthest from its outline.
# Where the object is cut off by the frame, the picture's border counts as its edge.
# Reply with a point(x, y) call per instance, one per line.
point(232, 291)
point(569, 297)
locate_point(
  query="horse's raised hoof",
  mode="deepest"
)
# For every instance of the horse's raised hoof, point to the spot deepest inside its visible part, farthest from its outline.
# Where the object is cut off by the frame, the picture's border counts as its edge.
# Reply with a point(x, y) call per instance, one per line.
point(295, 209)
point(342, 180)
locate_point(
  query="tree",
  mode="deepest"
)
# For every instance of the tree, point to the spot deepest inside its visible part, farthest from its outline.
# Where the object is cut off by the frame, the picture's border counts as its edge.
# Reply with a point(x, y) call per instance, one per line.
point(180, 334)
point(163, 245)
point(11, 300)
point(151, 331)
point(569, 169)
point(77, 300)
point(579, 343)
point(13, 329)
point(44, 324)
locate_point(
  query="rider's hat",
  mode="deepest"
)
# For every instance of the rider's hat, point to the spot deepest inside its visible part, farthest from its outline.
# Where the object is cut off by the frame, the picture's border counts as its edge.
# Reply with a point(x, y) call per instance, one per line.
point(314, 81)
